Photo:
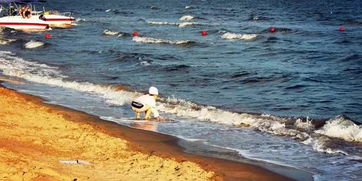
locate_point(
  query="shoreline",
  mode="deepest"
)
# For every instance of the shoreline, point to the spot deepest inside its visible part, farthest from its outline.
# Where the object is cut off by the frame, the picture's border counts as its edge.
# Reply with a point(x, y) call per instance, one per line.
point(151, 144)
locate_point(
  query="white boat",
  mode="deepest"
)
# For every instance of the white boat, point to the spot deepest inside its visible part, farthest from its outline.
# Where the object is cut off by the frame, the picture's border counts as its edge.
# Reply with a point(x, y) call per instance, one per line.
point(56, 19)
point(52, 18)
point(23, 24)
point(18, 22)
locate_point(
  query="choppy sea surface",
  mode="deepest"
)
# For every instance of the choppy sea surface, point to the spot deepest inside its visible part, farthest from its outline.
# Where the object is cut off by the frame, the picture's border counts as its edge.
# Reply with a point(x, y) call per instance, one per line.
point(292, 97)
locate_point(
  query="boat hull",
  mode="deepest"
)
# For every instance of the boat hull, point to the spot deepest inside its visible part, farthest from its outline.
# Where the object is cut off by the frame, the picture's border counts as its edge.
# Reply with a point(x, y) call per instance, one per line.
point(24, 24)
point(58, 21)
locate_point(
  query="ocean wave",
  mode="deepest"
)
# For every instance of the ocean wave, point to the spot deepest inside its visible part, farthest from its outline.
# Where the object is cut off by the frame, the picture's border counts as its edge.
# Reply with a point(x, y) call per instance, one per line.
point(33, 44)
point(153, 7)
point(110, 33)
point(257, 18)
point(321, 145)
point(160, 23)
point(351, 58)
point(186, 18)
point(161, 41)
point(235, 36)
point(184, 24)
point(44, 74)
point(181, 25)
point(343, 128)
point(107, 32)
point(323, 136)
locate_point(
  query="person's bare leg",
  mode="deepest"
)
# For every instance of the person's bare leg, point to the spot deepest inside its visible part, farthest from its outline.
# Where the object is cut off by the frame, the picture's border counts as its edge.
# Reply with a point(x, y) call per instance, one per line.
point(138, 115)
point(148, 114)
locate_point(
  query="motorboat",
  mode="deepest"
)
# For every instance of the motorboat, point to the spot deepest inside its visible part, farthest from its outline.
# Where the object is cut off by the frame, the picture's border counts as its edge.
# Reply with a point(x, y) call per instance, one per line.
point(56, 19)
point(52, 18)
point(9, 18)
point(24, 24)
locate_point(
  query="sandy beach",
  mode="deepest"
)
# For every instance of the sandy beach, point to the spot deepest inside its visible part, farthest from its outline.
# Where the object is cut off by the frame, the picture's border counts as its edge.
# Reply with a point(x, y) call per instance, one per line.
point(47, 142)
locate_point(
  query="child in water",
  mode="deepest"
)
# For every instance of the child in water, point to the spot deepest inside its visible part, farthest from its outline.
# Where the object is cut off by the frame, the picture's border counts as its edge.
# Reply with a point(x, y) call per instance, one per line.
point(147, 104)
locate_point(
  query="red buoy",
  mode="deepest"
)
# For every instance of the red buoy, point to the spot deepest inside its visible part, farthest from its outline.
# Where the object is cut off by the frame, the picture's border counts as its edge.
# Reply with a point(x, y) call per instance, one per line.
point(341, 28)
point(136, 33)
point(47, 36)
point(272, 29)
point(203, 33)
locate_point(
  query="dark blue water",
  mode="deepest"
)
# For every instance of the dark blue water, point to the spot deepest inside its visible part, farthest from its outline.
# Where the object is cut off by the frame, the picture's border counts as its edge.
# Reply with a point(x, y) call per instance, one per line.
point(306, 69)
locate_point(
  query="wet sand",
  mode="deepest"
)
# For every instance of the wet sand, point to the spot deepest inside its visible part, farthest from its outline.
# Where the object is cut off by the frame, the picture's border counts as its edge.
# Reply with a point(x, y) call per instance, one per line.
point(39, 141)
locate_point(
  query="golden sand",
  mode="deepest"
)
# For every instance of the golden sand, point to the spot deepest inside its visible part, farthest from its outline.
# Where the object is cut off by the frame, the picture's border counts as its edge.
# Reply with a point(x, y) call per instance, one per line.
point(48, 142)
point(34, 140)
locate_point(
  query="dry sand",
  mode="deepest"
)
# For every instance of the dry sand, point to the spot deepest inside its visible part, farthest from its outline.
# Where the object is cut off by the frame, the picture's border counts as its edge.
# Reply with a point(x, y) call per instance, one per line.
point(38, 140)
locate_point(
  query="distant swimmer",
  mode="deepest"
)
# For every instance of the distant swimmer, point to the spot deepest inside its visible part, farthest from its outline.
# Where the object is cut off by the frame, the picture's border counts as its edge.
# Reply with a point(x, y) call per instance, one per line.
point(147, 104)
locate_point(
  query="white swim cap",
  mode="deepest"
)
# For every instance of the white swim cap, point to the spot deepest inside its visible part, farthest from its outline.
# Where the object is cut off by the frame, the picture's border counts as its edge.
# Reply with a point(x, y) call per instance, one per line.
point(153, 91)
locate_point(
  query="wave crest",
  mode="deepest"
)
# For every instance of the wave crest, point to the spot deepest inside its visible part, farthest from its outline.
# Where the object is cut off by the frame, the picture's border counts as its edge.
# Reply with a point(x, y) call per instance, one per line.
point(181, 25)
point(107, 32)
point(33, 44)
point(187, 18)
point(340, 127)
point(161, 41)
point(160, 23)
point(44, 74)
point(234, 36)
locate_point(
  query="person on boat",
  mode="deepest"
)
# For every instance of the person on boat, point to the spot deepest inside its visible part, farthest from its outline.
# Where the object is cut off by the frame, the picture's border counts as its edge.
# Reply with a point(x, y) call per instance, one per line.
point(147, 104)
point(25, 12)
point(21, 11)
point(12, 11)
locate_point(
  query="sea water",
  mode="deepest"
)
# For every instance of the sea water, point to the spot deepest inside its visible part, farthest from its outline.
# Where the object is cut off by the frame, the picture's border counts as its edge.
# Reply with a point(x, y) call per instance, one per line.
point(292, 97)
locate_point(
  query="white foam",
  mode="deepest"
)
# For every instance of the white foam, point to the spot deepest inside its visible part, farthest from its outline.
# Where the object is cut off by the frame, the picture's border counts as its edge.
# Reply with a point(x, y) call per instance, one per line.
point(308, 141)
point(44, 74)
point(233, 36)
point(184, 24)
point(145, 63)
point(355, 158)
point(181, 25)
point(304, 125)
point(111, 33)
point(33, 44)
point(192, 139)
point(208, 113)
point(187, 18)
point(108, 10)
point(319, 144)
point(160, 23)
point(80, 20)
point(340, 127)
point(188, 7)
point(159, 41)
point(250, 156)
